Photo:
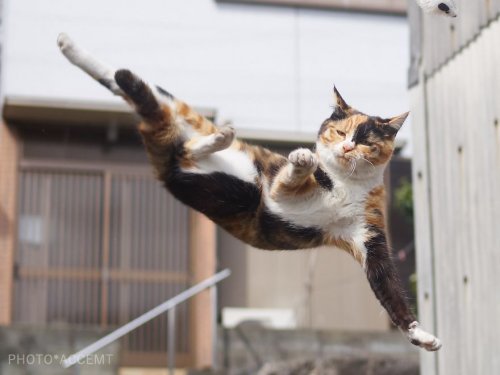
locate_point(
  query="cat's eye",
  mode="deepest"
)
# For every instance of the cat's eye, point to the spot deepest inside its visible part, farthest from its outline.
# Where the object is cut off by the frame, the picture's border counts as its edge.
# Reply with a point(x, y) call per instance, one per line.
point(374, 148)
point(341, 133)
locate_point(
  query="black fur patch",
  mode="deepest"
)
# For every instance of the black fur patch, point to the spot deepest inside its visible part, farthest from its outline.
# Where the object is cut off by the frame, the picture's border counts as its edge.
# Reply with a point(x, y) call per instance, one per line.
point(284, 235)
point(384, 279)
point(217, 195)
point(139, 92)
point(105, 82)
point(338, 114)
point(323, 180)
point(367, 130)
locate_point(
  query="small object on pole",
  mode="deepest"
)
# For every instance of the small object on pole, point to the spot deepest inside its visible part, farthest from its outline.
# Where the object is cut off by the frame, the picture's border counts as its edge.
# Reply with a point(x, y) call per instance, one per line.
point(171, 341)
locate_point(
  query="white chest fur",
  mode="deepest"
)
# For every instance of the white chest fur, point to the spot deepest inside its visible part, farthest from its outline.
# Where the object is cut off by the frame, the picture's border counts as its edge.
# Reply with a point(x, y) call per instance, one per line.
point(339, 212)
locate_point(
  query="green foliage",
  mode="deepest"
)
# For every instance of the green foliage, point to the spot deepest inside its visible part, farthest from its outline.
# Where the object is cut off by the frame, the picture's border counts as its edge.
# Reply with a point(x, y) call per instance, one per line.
point(403, 199)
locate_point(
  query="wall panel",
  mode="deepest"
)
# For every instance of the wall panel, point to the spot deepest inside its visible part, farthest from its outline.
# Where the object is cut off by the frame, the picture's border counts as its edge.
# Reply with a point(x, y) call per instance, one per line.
point(458, 209)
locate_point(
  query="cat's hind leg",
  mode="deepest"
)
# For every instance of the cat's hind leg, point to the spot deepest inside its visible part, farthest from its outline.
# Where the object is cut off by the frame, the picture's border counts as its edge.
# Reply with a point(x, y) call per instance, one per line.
point(176, 113)
point(202, 146)
point(98, 70)
point(147, 100)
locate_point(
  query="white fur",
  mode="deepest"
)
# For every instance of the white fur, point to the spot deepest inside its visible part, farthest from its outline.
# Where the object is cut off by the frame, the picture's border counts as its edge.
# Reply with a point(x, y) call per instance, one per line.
point(208, 144)
point(432, 6)
point(340, 212)
point(82, 59)
point(229, 161)
point(303, 158)
point(422, 338)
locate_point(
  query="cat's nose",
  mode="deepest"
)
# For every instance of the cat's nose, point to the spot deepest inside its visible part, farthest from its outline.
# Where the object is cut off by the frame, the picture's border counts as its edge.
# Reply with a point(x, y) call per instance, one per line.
point(348, 146)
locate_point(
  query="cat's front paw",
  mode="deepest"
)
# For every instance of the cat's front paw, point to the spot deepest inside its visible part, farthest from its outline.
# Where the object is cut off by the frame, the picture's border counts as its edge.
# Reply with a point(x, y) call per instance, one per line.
point(224, 137)
point(419, 337)
point(303, 158)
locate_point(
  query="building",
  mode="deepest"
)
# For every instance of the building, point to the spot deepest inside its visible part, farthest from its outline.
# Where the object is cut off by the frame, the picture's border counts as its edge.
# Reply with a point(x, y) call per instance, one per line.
point(81, 213)
point(454, 86)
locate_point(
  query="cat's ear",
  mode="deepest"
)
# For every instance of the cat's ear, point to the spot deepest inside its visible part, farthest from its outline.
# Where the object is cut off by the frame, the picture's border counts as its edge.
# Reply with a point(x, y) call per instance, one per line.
point(393, 125)
point(340, 107)
point(338, 100)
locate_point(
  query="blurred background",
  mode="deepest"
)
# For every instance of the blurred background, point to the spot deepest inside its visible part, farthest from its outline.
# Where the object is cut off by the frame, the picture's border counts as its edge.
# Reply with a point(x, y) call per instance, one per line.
point(89, 240)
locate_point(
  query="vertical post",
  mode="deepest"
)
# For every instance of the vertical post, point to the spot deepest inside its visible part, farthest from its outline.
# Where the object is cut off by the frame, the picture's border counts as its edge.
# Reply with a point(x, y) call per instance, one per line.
point(105, 248)
point(9, 156)
point(202, 244)
point(213, 302)
point(171, 341)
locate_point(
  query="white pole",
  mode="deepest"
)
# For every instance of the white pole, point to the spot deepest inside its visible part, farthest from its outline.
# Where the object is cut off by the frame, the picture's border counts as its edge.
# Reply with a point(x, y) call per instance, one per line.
point(171, 349)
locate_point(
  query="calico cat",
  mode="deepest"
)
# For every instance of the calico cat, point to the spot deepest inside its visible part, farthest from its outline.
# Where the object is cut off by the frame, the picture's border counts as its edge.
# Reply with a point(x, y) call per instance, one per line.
point(331, 196)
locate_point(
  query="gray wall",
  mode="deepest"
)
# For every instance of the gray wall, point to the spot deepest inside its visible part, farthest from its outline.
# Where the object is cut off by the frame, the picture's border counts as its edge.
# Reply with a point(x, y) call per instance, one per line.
point(456, 177)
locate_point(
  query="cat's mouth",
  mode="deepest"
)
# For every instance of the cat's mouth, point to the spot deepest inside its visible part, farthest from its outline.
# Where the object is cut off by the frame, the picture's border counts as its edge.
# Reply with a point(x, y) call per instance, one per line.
point(345, 157)
point(345, 160)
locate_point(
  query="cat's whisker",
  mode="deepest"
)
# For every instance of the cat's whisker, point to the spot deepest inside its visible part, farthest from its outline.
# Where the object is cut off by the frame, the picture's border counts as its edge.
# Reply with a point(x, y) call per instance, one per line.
point(354, 164)
point(368, 161)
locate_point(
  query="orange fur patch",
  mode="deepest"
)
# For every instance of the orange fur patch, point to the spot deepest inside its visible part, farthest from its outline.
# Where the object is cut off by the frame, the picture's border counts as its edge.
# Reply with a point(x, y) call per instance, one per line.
point(347, 246)
point(375, 207)
point(198, 122)
point(283, 186)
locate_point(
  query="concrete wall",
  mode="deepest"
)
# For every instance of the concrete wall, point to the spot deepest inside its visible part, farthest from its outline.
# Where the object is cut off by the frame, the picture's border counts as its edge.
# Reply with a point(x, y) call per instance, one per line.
point(28, 350)
point(304, 351)
point(263, 67)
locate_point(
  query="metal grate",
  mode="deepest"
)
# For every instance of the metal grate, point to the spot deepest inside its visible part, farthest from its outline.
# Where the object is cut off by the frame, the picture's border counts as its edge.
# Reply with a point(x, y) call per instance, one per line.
point(99, 248)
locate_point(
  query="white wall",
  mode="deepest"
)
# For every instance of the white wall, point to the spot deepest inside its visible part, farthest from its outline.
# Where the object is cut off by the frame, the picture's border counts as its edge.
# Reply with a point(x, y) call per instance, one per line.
point(261, 67)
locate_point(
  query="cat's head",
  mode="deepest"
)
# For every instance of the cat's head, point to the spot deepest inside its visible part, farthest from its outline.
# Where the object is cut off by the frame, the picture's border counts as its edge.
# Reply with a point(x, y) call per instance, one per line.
point(356, 143)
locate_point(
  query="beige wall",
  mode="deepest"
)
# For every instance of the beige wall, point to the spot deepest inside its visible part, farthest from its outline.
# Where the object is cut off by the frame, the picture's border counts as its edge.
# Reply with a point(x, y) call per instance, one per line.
point(340, 299)
point(8, 198)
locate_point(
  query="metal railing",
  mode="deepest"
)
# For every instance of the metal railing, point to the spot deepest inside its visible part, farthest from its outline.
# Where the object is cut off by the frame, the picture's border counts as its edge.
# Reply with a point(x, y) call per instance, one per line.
point(169, 306)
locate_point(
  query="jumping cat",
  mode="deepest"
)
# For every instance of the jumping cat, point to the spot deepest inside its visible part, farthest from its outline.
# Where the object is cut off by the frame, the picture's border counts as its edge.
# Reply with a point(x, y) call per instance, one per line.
point(331, 196)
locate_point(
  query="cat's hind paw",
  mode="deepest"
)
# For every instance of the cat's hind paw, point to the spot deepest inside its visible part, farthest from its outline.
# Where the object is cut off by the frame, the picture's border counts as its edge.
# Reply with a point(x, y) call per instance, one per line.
point(64, 41)
point(303, 158)
point(419, 337)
